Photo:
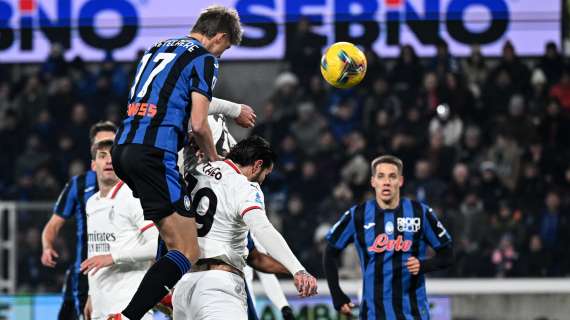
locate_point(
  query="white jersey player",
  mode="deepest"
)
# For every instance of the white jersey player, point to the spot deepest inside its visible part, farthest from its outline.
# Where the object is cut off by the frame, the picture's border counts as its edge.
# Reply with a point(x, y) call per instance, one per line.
point(224, 141)
point(229, 203)
point(121, 244)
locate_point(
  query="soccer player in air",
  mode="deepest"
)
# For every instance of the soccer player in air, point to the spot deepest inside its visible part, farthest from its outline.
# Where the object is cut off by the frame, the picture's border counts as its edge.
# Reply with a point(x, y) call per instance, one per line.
point(121, 244)
point(71, 204)
point(171, 91)
point(229, 203)
point(391, 235)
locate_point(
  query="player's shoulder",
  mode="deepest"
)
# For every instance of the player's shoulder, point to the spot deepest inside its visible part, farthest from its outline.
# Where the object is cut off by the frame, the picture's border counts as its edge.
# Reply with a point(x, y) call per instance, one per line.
point(418, 205)
point(121, 191)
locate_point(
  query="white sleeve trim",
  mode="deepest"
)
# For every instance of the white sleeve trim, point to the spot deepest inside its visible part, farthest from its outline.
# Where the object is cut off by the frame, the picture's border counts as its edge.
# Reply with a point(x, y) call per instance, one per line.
point(271, 240)
point(225, 107)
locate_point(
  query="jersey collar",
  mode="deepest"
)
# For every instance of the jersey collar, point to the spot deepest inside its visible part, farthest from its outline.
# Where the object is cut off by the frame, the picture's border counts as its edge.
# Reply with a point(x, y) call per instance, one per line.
point(116, 189)
point(233, 165)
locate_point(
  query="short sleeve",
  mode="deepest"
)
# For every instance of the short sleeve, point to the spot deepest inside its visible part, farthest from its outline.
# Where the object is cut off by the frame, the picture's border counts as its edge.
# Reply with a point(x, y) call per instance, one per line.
point(204, 75)
point(342, 233)
point(433, 230)
point(252, 199)
point(67, 200)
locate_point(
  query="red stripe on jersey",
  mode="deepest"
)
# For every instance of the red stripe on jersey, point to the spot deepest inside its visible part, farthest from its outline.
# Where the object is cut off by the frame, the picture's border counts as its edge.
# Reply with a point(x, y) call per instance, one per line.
point(249, 209)
point(231, 164)
point(117, 187)
point(148, 226)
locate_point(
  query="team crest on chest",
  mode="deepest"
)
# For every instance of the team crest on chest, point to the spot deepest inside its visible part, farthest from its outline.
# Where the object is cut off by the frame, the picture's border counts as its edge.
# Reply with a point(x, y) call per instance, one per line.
point(389, 227)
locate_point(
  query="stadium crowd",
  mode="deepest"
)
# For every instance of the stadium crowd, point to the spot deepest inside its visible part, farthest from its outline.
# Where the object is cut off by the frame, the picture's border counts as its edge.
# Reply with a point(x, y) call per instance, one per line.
point(482, 141)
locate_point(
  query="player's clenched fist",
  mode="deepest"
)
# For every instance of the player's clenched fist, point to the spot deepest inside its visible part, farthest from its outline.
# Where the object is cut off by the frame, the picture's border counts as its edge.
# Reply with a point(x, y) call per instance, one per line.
point(413, 265)
point(305, 283)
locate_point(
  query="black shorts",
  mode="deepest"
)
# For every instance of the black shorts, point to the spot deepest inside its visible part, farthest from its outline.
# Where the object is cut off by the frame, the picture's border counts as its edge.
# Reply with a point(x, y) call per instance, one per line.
point(153, 176)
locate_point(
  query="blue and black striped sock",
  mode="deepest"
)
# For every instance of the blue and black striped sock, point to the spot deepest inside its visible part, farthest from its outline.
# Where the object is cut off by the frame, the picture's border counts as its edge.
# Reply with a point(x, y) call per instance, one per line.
point(162, 276)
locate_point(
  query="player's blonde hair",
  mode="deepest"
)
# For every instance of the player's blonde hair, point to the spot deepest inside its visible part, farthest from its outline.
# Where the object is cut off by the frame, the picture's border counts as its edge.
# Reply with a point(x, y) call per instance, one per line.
point(387, 159)
point(219, 19)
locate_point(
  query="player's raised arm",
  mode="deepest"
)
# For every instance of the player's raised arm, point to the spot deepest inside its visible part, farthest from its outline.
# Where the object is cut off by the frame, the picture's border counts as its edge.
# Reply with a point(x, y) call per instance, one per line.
point(243, 115)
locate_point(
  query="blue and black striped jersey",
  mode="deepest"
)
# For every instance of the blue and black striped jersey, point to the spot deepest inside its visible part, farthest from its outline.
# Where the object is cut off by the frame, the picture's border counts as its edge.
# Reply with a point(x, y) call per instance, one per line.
point(71, 204)
point(384, 240)
point(160, 101)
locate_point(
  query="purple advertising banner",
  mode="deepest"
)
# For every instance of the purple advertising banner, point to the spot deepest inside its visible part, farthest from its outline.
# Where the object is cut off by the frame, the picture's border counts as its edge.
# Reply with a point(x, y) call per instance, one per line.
point(92, 28)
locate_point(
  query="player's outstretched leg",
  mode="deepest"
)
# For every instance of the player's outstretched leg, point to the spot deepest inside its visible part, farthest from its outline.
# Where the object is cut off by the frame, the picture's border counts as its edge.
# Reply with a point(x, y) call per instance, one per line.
point(179, 234)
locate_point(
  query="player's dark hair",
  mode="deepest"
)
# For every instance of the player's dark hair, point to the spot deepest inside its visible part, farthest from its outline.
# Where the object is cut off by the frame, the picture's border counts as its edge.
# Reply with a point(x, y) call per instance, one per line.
point(387, 159)
point(101, 145)
point(99, 127)
point(219, 19)
point(254, 148)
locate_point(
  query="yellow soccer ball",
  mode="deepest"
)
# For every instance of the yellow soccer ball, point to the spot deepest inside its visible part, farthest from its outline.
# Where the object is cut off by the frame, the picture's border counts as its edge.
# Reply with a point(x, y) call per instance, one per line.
point(343, 65)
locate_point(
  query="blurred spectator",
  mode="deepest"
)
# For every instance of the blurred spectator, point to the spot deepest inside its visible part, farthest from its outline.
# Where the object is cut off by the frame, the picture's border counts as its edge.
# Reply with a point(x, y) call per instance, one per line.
point(289, 156)
point(517, 123)
point(337, 202)
point(554, 126)
point(308, 185)
point(286, 97)
point(11, 134)
point(307, 128)
point(518, 72)
point(505, 155)
point(505, 258)
point(429, 97)
point(355, 170)
point(271, 127)
point(459, 186)
point(561, 90)
point(298, 226)
point(491, 190)
point(61, 100)
point(379, 99)
point(344, 117)
point(32, 276)
point(470, 229)
point(458, 96)
point(33, 157)
point(424, 187)
point(539, 96)
point(374, 69)
point(475, 70)
point(552, 226)
point(440, 155)
point(531, 187)
point(303, 51)
point(443, 62)
point(32, 100)
point(407, 74)
point(448, 123)
point(78, 127)
point(551, 63)
point(536, 261)
point(55, 65)
point(497, 94)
